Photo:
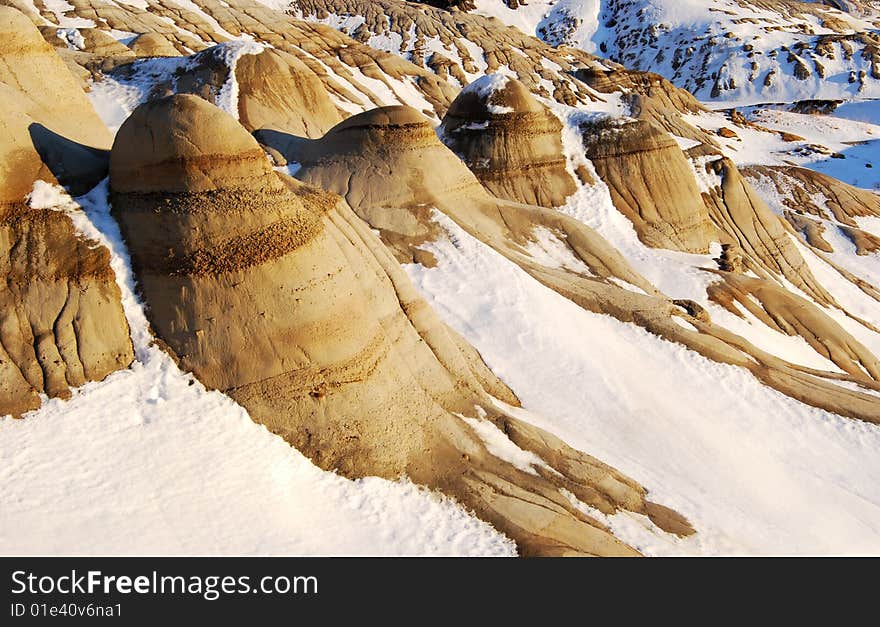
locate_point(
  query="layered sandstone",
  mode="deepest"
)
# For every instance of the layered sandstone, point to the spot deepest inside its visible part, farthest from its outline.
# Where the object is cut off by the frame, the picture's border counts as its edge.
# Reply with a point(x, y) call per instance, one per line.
point(62, 322)
point(278, 295)
point(512, 142)
point(651, 183)
point(52, 131)
point(390, 166)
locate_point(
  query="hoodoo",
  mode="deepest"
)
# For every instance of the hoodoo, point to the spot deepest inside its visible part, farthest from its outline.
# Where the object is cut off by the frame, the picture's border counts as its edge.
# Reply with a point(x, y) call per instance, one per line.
point(651, 183)
point(278, 295)
point(512, 142)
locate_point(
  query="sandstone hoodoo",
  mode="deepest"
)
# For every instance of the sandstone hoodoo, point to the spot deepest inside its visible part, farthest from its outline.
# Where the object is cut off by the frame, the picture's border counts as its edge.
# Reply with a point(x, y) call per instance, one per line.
point(512, 142)
point(278, 295)
point(651, 183)
point(51, 129)
point(62, 322)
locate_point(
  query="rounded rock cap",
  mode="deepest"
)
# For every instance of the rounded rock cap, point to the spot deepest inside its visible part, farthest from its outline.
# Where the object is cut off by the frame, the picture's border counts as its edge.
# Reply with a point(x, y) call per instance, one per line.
point(391, 128)
point(183, 143)
point(18, 33)
point(494, 95)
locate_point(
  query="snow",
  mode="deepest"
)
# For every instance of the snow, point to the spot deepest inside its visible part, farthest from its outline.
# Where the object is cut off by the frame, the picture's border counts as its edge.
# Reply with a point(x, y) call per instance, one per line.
point(846, 149)
point(290, 169)
point(115, 97)
point(677, 274)
point(231, 52)
point(72, 37)
point(860, 111)
point(548, 249)
point(150, 462)
point(278, 5)
point(558, 22)
point(502, 447)
point(745, 44)
point(485, 86)
point(756, 472)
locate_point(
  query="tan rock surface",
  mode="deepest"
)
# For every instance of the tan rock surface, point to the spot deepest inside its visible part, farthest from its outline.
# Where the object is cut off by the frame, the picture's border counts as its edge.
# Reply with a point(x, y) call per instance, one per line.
point(510, 141)
point(393, 170)
point(61, 323)
point(277, 90)
point(791, 314)
point(51, 129)
point(153, 45)
point(651, 183)
point(277, 294)
point(761, 235)
point(800, 187)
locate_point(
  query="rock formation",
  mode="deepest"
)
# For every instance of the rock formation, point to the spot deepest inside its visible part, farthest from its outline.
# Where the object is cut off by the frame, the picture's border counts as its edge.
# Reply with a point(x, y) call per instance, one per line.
point(791, 314)
point(278, 295)
point(799, 188)
point(651, 183)
point(268, 88)
point(746, 220)
point(392, 169)
point(62, 322)
point(278, 91)
point(153, 45)
point(510, 141)
point(50, 122)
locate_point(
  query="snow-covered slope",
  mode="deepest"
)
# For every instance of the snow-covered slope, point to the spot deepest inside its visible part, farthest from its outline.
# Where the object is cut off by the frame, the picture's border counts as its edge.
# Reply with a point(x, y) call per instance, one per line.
point(733, 449)
point(721, 50)
point(150, 462)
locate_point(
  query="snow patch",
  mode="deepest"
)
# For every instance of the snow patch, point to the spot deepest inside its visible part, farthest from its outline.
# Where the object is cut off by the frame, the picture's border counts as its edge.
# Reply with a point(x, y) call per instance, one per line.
point(485, 86)
point(150, 462)
point(502, 447)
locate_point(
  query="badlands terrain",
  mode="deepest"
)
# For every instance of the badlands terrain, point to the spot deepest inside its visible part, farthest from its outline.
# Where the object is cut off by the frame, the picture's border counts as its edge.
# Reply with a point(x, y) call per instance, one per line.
point(488, 277)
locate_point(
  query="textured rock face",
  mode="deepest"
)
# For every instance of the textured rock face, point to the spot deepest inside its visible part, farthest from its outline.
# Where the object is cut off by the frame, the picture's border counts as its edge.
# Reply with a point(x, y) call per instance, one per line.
point(277, 90)
point(153, 45)
point(799, 188)
point(747, 221)
point(191, 159)
point(651, 183)
point(29, 64)
point(51, 131)
point(61, 323)
point(393, 170)
point(387, 139)
point(277, 294)
point(640, 86)
point(791, 314)
point(510, 141)
point(274, 89)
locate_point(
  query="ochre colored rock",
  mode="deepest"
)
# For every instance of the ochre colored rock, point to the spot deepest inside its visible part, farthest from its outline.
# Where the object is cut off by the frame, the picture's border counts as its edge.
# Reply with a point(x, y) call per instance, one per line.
point(153, 45)
point(51, 131)
point(278, 91)
point(279, 295)
point(61, 321)
point(512, 142)
point(651, 183)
